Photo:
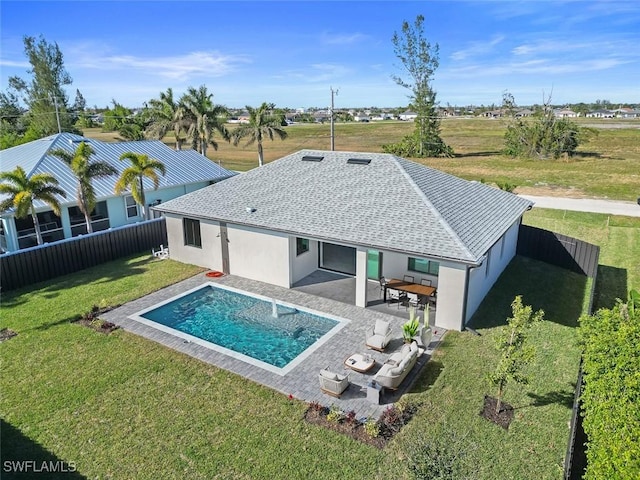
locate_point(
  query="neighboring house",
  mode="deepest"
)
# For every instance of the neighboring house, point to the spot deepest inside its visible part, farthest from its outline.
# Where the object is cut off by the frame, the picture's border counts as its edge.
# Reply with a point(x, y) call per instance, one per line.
point(601, 114)
point(364, 215)
point(525, 112)
point(493, 114)
point(408, 116)
point(564, 113)
point(187, 171)
point(627, 113)
point(361, 117)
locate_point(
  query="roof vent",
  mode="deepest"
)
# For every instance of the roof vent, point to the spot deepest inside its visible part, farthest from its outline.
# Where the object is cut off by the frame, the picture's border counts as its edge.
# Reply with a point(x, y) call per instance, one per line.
point(359, 161)
point(250, 209)
point(312, 158)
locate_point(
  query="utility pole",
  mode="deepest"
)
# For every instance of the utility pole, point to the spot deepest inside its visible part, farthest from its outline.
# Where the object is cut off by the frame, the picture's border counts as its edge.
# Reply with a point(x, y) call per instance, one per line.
point(333, 140)
point(55, 103)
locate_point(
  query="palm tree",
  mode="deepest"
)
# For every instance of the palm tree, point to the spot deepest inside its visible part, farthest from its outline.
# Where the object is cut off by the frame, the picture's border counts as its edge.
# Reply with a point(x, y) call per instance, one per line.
point(167, 115)
point(131, 177)
point(205, 118)
point(85, 171)
point(263, 123)
point(23, 191)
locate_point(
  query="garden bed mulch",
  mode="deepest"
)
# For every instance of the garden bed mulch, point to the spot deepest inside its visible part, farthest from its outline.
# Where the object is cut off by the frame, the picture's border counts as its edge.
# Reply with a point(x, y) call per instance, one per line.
point(6, 334)
point(502, 418)
point(390, 423)
point(92, 320)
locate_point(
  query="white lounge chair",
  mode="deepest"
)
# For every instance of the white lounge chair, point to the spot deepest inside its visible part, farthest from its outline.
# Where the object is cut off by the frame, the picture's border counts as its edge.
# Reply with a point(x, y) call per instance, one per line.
point(332, 383)
point(380, 336)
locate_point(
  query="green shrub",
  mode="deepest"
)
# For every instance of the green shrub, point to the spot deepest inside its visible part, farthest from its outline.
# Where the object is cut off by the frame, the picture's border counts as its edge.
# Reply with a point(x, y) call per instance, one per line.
point(611, 395)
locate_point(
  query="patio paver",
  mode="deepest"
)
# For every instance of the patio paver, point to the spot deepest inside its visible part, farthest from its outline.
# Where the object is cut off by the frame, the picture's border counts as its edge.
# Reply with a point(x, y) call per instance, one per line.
point(301, 381)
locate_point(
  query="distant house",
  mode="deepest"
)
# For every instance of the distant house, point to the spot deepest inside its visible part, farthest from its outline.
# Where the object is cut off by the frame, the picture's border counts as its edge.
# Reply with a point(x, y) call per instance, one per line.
point(627, 113)
point(361, 117)
point(493, 114)
point(187, 170)
point(601, 114)
point(525, 112)
point(564, 113)
point(364, 215)
point(408, 116)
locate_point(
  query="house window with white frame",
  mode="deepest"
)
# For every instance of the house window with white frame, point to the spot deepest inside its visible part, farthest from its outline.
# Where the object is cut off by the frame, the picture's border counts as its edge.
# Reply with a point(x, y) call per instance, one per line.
point(131, 206)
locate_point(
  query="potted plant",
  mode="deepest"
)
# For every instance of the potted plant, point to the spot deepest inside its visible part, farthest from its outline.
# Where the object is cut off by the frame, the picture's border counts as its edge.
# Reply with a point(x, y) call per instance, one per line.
point(410, 328)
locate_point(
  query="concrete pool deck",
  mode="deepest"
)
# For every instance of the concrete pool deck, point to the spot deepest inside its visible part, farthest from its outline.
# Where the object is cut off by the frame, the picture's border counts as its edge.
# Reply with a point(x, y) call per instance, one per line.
point(302, 381)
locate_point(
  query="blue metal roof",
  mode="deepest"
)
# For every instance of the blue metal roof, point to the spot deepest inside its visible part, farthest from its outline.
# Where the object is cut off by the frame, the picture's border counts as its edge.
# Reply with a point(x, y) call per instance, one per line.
point(183, 167)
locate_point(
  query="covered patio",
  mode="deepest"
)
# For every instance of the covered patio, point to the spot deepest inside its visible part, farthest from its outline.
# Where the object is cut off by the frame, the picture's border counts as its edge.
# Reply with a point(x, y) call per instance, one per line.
point(342, 288)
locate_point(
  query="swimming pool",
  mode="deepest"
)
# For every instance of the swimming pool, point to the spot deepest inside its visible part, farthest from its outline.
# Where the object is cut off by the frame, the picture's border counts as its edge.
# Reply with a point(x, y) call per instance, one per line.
point(246, 326)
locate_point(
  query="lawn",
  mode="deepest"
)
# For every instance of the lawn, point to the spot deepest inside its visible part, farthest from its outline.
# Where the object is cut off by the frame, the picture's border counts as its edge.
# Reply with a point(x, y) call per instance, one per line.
point(606, 166)
point(120, 406)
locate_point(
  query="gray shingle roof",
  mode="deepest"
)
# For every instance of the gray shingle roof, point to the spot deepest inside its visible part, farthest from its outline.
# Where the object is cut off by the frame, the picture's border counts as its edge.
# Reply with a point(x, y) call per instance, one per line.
point(183, 167)
point(389, 204)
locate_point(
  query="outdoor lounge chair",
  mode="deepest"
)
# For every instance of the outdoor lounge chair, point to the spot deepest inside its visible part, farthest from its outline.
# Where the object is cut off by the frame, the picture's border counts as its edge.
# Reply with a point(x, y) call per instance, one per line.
point(332, 383)
point(397, 367)
point(380, 336)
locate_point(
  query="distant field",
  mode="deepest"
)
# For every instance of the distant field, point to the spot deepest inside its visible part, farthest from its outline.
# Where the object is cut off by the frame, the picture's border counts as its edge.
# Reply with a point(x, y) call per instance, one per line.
point(606, 167)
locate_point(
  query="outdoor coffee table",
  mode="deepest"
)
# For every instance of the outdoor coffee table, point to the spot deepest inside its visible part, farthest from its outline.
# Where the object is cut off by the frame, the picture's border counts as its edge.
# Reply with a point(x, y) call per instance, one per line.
point(360, 363)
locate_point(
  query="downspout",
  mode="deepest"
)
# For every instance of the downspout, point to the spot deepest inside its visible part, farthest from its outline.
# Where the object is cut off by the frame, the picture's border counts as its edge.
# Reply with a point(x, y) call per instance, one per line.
point(465, 296)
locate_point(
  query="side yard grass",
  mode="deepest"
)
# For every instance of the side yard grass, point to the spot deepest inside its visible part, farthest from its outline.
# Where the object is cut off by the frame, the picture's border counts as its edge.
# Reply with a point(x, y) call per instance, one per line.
point(119, 406)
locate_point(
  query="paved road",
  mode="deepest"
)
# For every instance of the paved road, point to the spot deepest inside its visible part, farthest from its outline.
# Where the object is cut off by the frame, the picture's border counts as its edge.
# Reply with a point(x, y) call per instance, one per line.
point(612, 207)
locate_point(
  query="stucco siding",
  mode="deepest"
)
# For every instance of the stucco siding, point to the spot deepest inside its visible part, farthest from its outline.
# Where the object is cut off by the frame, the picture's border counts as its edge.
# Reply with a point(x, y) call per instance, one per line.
point(450, 306)
point(209, 256)
point(481, 279)
point(305, 263)
point(259, 255)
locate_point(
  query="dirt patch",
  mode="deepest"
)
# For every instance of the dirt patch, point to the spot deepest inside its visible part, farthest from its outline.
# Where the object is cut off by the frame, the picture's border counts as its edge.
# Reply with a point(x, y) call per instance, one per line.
point(502, 418)
point(6, 334)
point(92, 320)
point(355, 430)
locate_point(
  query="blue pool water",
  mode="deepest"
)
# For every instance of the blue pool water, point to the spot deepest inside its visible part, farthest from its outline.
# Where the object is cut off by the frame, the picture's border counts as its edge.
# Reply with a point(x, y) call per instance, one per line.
point(243, 324)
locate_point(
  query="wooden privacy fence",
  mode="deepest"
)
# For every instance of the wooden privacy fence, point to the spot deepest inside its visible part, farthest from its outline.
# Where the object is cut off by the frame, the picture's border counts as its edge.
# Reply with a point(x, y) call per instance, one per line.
point(44, 262)
point(559, 250)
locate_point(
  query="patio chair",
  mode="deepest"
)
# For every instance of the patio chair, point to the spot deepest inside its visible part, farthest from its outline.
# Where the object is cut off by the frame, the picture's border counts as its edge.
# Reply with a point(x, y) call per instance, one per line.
point(383, 283)
point(426, 282)
point(380, 336)
point(412, 300)
point(397, 295)
point(332, 383)
point(408, 278)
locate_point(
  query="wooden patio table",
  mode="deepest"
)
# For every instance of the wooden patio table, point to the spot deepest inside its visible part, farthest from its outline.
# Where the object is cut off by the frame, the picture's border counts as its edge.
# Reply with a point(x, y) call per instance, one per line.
point(420, 290)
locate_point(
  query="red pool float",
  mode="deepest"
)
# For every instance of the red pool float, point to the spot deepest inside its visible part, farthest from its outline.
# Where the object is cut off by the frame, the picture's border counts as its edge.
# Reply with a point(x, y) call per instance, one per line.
point(214, 274)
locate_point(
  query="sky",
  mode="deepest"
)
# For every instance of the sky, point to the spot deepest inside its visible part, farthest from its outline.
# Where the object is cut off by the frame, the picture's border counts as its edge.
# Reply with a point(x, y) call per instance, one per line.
point(294, 53)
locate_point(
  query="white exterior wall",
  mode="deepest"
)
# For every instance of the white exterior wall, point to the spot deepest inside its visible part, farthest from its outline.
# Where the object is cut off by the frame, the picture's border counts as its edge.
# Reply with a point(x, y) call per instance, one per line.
point(450, 305)
point(305, 263)
point(480, 279)
point(209, 256)
point(259, 255)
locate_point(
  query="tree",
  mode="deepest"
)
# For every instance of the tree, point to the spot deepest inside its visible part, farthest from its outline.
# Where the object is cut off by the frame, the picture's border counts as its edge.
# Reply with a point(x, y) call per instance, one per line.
point(115, 119)
point(132, 177)
point(44, 94)
point(263, 123)
point(515, 355)
point(204, 119)
point(543, 136)
point(22, 192)
point(420, 59)
point(85, 171)
point(609, 401)
point(166, 115)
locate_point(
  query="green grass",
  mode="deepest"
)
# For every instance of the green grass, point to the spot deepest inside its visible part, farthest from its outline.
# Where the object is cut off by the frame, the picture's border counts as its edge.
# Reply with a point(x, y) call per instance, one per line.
point(606, 166)
point(120, 406)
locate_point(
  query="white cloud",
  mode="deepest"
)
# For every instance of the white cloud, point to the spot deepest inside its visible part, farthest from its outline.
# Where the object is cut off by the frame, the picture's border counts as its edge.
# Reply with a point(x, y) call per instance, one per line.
point(177, 67)
point(12, 63)
point(342, 38)
point(478, 48)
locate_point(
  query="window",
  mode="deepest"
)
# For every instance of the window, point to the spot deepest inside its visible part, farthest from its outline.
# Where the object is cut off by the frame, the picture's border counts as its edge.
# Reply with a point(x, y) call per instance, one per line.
point(424, 266)
point(132, 206)
point(192, 232)
point(302, 245)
